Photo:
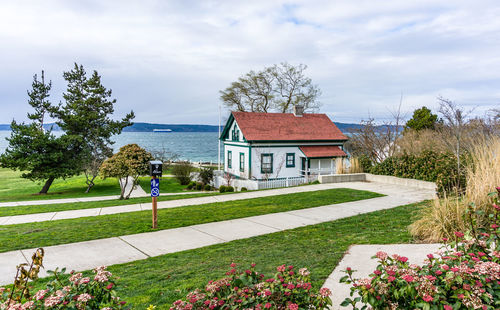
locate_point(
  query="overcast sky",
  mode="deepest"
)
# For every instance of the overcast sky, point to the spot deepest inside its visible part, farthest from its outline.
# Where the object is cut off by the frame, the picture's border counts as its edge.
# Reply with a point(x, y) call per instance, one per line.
point(167, 60)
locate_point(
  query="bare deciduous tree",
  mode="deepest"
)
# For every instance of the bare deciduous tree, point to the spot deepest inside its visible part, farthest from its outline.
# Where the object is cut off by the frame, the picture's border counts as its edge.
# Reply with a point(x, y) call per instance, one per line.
point(377, 142)
point(277, 88)
point(454, 124)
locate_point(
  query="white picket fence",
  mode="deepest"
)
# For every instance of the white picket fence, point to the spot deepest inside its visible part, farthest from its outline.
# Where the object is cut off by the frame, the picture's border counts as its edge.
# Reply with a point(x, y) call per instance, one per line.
point(283, 182)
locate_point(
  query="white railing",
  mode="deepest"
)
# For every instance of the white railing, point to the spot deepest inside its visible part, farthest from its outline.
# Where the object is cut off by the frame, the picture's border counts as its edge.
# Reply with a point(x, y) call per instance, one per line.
point(316, 171)
point(282, 182)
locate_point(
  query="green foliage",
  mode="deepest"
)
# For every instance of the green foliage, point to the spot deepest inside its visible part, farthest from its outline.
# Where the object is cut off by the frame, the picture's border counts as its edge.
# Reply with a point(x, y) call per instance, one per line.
point(182, 172)
point(206, 175)
point(422, 119)
point(131, 161)
point(229, 189)
point(366, 163)
point(208, 187)
point(428, 166)
point(244, 189)
point(191, 185)
point(199, 186)
point(222, 188)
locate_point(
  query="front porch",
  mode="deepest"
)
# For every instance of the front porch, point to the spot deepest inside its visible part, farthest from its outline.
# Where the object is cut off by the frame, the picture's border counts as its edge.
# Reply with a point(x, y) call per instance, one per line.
point(318, 166)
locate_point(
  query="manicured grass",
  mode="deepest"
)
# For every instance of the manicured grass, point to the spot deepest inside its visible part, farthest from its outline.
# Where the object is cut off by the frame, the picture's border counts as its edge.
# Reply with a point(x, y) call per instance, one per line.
point(20, 210)
point(162, 280)
point(30, 235)
point(15, 188)
point(167, 185)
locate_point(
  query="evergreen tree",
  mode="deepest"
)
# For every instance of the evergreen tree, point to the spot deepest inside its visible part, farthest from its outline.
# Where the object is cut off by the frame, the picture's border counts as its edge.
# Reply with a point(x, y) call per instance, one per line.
point(38, 153)
point(85, 118)
point(422, 119)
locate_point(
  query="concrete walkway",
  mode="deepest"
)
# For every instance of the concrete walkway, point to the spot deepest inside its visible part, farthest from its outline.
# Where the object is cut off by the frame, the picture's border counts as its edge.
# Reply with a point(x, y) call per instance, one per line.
point(375, 187)
point(358, 257)
point(90, 254)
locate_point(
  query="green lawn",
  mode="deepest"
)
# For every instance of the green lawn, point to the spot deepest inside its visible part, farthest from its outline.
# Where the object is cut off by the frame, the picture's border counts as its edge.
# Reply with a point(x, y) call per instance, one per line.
point(20, 210)
point(30, 235)
point(167, 185)
point(15, 188)
point(164, 279)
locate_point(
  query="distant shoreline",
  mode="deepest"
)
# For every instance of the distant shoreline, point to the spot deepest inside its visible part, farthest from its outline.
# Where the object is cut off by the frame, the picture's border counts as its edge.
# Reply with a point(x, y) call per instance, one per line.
point(149, 127)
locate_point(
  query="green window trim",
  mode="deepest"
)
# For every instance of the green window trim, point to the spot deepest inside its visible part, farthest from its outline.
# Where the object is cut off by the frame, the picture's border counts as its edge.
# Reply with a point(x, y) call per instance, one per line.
point(266, 170)
point(229, 159)
point(242, 162)
point(290, 160)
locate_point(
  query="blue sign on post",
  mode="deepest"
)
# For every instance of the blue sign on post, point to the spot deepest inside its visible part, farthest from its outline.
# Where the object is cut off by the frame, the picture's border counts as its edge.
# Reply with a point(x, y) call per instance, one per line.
point(155, 187)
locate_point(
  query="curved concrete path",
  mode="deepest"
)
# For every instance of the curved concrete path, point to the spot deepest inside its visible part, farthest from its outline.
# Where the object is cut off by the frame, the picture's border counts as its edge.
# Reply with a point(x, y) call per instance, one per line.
point(393, 190)
point(91, 254)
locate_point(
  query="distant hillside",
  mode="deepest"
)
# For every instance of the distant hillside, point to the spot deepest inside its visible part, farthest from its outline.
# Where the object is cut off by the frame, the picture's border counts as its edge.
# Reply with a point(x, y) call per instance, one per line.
point(148, 127)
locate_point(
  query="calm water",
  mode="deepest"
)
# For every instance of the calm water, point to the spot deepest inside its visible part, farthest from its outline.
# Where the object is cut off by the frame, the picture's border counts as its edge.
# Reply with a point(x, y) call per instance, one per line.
point(193, 146)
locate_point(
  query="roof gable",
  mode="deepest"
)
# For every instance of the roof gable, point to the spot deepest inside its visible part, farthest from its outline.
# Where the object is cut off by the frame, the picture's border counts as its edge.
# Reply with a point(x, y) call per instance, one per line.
point(285, 127)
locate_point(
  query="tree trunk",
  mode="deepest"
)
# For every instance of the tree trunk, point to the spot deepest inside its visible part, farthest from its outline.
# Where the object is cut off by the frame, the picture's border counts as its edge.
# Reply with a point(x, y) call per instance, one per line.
point(47, 185)
point(90, 184)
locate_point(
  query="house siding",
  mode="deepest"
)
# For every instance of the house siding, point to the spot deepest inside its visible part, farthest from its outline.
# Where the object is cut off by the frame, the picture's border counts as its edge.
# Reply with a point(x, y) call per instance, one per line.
point(280, 170)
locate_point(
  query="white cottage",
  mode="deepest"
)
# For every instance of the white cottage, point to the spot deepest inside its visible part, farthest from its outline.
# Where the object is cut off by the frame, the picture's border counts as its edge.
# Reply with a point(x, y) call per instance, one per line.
point(280, 145)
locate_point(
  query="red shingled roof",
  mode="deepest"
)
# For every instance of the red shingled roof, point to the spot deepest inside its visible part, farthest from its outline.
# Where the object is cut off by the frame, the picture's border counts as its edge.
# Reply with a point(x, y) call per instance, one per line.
point(314, 151)
point(287, 127)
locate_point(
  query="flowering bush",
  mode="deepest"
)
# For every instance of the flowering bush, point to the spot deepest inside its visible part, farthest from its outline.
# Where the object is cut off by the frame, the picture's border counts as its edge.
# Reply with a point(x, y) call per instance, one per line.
point(76, 292)
point(251, 290)
point(465, 275)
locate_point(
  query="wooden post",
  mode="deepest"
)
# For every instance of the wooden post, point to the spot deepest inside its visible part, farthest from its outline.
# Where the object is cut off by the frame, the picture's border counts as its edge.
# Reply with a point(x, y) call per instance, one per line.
point(155, 211)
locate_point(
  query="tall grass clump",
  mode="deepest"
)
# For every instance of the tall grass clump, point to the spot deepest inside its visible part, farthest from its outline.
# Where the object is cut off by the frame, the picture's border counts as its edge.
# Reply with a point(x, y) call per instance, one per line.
point(448, 215)
point(340, 167)
point(355, 165)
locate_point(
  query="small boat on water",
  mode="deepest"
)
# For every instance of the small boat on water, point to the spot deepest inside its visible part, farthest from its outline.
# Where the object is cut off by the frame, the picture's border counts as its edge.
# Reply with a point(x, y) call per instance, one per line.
point(162, 130)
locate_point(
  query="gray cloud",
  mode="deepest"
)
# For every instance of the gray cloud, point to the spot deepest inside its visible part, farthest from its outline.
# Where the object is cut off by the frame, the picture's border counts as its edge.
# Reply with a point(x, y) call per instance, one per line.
point(167, 60)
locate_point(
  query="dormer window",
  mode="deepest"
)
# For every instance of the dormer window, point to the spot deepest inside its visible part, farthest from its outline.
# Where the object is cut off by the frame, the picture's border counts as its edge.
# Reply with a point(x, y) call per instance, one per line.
point(235, 134)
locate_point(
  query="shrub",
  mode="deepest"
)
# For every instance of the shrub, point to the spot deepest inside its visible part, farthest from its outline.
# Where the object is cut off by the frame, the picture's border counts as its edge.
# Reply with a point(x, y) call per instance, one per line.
point(191, 185)
point(466, 275)
point(208, 187)
point(229, 189)
point(431, 166)
point(252, 290)
point(315, 182)
point(244, 189)
point(206, 175)
point(182, 172)
point(222, 188)
point(366, 163)
point(199, 186)
point(75, 292)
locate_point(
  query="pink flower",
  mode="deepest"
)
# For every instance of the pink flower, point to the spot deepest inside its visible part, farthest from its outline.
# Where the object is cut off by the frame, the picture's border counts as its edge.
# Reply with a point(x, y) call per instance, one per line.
point(253, 265)
point(447, 307)
point(267, 305)
point(281, 268)
point(402, 259)
point(233, 265)
point(427, 298)
point(430, 256)
point(391, 278)
point(459, 234)
point(325, 292)
point(494, 226)
point(381, 255)
point(293, 306)
point(408, 278)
